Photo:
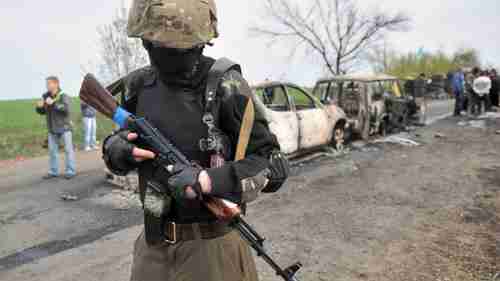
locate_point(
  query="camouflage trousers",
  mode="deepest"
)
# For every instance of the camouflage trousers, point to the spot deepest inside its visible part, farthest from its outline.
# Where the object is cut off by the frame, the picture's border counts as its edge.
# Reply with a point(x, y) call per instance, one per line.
point(226, 258)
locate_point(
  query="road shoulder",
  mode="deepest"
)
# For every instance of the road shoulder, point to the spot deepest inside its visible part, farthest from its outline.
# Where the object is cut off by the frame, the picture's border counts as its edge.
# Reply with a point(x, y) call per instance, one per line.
point(107, 259)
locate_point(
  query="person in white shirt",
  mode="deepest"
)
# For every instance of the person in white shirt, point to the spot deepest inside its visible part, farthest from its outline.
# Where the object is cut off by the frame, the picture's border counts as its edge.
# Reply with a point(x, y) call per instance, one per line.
point(482, 87)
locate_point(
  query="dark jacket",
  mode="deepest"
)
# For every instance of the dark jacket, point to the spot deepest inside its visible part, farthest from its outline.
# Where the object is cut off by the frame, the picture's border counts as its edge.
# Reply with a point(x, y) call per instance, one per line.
point(420, 87)
point(87, 110)
point(58, 114)
point(177, 113)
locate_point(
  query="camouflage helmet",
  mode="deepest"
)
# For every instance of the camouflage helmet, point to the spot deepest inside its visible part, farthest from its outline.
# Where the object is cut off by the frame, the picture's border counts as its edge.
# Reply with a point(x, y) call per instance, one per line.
point(180, 24)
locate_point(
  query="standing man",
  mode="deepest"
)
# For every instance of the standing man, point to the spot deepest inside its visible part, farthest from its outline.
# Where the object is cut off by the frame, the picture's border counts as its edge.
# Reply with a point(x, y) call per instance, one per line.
point(55, 106)
point(89, 126)
point(184, 240)
point(482, 87)
point(495, 88)
point(421, 97)
point(458, 85)
point(470, 95)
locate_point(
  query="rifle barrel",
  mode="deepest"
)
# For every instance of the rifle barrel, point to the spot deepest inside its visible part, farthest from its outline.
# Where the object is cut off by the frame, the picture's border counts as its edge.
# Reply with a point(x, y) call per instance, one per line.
point(255, 241)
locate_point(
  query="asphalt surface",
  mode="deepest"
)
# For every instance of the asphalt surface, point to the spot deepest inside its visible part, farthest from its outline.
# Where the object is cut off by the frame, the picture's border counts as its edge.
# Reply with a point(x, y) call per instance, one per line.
point(35, 223)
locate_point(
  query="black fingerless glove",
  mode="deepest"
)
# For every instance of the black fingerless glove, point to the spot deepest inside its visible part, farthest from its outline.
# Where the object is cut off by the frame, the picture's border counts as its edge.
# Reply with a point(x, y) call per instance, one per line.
point(182, 177)
point(117, 153)
point(279, 171)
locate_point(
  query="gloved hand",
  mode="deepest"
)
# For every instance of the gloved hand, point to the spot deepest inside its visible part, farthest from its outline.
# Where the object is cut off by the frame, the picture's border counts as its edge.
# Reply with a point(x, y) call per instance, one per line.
point(121, 155)
point(185, 181)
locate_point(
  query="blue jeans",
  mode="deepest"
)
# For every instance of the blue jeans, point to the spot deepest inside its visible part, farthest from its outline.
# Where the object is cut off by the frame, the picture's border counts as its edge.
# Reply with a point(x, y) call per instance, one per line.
point(89, 130)
point(459, 103)
point(67, 138)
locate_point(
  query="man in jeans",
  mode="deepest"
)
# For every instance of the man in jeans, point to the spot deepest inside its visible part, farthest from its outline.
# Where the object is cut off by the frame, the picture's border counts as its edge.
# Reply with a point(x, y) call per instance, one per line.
point(89, 127)
point(458, 84)
point(55, 105)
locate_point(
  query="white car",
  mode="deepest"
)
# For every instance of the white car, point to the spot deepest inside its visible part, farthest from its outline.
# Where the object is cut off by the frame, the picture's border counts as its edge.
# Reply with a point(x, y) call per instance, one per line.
point(300, 122)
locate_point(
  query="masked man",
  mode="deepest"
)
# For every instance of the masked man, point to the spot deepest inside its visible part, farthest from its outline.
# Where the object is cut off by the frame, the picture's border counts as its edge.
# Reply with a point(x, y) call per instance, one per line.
point(187, 242)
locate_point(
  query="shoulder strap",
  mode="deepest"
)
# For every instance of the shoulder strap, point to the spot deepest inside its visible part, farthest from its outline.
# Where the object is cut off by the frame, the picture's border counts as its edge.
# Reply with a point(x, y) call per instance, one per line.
point(245, 131)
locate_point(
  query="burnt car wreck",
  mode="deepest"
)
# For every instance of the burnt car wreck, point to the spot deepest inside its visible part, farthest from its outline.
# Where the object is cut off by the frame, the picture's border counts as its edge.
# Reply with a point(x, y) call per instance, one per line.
point(299, 120)
point(373, 104)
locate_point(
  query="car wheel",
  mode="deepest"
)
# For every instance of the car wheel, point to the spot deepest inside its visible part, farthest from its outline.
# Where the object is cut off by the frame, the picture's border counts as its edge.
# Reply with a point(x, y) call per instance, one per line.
point(383, 128)
point(341, 137)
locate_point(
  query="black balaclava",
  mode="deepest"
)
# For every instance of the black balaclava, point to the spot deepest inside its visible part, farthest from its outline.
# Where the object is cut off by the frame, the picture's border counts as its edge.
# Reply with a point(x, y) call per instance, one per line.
point(176, 66)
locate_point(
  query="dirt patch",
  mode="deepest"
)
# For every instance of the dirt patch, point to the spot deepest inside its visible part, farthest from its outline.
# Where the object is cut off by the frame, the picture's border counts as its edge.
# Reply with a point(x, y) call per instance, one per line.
point(458, 244)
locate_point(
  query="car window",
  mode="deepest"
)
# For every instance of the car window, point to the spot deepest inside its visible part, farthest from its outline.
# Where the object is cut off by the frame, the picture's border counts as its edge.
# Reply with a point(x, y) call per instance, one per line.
point(377, 90)
point(391, 88)
point(301, 100)
point(350, 97)
point(321, 91)
point(273, 98)
point(333, 92)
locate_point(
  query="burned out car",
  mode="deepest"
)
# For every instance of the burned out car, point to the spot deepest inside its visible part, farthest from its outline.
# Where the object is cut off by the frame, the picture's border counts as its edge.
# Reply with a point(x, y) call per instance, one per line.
point(300, 121)
point(373, 103)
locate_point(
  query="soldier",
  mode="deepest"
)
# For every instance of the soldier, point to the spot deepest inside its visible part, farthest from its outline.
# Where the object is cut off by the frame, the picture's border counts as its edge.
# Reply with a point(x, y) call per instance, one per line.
point(188, 242)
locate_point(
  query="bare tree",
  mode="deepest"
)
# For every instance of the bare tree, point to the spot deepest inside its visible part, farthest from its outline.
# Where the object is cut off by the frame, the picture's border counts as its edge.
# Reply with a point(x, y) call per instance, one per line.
point(338, 31)
point(118, 54)
point(379, 57)
point(467, 57)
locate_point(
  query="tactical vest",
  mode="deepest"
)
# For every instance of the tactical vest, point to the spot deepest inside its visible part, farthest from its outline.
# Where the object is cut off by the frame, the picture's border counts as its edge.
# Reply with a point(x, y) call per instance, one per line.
point(189, 119)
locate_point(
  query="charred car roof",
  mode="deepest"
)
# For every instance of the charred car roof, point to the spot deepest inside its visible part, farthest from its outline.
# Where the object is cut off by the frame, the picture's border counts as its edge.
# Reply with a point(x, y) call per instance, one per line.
point(274, 84)
point(359, 77)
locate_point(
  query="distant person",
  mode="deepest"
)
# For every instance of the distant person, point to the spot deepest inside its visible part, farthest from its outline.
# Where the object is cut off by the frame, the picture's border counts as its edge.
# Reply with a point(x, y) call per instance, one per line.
point(422, 97)
point(482, 87)
point(470, 95)
point(55, 105)
point(458, 85)
point(89, 127)
point(495, 88)
point(449, 83)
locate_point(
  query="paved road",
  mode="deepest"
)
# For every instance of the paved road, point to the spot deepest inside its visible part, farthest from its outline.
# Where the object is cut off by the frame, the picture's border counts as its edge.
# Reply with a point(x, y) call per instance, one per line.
point(439, 110)
point(36, 223)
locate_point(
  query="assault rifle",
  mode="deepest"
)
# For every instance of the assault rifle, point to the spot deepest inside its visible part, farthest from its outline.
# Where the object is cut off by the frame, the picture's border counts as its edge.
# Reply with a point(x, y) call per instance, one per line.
point(95, 95)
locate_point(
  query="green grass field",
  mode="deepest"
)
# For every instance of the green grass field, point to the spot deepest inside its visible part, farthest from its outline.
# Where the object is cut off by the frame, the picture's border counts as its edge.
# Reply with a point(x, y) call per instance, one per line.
point(23, 132)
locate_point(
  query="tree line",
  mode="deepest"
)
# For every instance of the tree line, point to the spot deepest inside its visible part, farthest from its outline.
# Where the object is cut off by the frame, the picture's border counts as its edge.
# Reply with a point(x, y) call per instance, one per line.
point(341, 34)
point(411, 64)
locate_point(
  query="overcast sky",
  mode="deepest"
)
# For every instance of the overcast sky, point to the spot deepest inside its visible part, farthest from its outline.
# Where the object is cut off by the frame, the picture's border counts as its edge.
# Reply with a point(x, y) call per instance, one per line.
point(57, 37)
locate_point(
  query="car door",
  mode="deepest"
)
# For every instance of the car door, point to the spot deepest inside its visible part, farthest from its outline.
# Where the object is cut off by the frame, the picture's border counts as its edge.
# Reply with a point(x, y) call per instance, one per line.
point(314, 127)
point(283, 122)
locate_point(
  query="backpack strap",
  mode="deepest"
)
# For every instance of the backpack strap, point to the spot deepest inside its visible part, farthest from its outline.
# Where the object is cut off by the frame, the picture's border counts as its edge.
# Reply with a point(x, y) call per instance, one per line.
point(215, 75)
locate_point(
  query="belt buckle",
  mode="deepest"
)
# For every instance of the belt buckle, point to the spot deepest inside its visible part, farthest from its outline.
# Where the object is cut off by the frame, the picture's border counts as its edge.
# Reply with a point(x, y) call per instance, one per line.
point(171, 233)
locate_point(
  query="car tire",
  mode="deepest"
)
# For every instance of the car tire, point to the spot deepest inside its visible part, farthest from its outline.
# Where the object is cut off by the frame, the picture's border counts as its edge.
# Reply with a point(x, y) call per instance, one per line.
point(365, 128)
point(341, 137)
point(383, 129)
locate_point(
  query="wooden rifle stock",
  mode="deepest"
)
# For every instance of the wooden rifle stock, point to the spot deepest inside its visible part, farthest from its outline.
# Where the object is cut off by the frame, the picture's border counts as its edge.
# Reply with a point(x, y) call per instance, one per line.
point(95, 95)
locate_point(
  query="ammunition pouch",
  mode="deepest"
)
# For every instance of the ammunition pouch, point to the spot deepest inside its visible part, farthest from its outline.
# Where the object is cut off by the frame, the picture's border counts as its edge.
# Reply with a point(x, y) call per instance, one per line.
point(157, 205)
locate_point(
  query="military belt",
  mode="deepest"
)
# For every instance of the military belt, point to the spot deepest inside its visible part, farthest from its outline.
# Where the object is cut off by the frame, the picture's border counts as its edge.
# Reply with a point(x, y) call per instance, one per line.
point(174, 232)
